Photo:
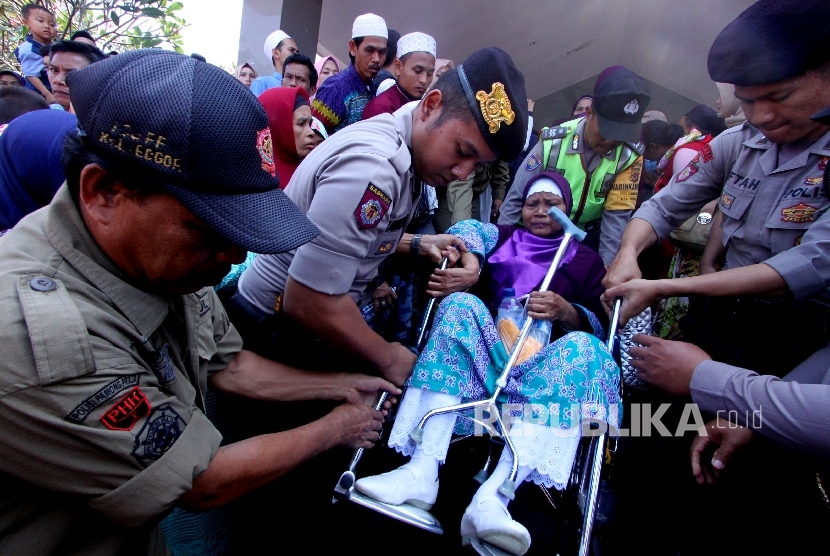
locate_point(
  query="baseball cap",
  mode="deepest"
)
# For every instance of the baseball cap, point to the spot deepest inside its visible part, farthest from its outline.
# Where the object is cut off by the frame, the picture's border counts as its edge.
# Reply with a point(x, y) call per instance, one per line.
point(620, 100)
point(191, 126)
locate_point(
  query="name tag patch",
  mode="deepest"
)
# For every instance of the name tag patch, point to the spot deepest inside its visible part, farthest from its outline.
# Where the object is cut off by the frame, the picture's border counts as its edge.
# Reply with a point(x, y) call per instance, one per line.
point(105, 394)
point(127, 412)
point(373, 205)
point(158, 434)
point(799, 213)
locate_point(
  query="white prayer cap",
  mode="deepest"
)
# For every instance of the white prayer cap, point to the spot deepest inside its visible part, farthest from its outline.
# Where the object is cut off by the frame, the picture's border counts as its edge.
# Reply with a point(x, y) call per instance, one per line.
point(415, 42)
point(272, 41)
point(369, 25)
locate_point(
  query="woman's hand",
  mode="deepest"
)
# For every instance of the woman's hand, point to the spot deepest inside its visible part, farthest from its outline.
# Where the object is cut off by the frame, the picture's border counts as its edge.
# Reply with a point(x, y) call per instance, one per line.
point(444, 282)
point(384, 296)
point(549, 306)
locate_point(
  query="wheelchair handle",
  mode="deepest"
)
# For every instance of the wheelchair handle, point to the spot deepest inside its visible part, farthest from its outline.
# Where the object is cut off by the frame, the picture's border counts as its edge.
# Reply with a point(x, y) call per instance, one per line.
point(567, 225)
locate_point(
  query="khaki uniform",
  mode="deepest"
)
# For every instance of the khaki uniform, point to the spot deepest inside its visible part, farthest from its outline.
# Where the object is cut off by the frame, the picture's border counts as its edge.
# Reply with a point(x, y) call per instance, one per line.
point(358, 188)
point(771, 214)
point(460, 199)
point(101, 392)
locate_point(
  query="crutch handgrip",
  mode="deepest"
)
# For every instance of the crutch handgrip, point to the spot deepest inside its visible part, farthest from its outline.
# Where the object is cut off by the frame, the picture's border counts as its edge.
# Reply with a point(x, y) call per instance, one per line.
point(567, 225)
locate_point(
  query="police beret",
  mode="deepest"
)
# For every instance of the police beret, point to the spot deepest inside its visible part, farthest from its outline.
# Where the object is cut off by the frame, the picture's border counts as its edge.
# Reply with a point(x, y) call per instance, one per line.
point(706, 120)
point(170, 119)
point(495, 89)
point(770, 41)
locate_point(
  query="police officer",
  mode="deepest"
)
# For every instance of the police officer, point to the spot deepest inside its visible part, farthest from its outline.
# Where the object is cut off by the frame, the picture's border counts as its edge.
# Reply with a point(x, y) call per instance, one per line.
point(599, 155)
point(360, 188)
point(109, 330)
point(769, 182)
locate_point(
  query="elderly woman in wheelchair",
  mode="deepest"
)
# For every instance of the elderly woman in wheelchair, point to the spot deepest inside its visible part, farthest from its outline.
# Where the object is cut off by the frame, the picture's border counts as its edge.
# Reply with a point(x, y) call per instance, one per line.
point(572, 376)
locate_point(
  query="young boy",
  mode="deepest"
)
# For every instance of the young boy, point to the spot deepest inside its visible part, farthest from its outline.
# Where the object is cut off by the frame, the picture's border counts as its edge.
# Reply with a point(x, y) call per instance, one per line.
point(42, 29)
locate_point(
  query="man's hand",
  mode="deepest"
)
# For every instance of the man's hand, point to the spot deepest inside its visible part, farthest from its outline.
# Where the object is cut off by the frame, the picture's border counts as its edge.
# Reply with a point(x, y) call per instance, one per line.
point(384, 296)
point(359, 426)
point(359, 389)
point(550, 306)
point(398, 370)
point(666, 364)
point(444, 282)
point(494, 211)
point(441, 246)
point(729, 437)
point(622, 269)
point(637, 295)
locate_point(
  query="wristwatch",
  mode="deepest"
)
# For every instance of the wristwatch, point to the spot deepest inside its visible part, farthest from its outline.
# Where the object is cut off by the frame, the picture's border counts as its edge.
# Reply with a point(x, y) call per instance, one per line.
point(415, 246)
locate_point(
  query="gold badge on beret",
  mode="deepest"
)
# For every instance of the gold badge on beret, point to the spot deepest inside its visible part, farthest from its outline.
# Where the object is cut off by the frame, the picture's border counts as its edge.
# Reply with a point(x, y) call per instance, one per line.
point(495, 107)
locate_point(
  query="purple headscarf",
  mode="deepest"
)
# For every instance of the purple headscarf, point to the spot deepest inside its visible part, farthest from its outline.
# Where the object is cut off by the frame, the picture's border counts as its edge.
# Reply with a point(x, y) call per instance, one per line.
point(522, 261)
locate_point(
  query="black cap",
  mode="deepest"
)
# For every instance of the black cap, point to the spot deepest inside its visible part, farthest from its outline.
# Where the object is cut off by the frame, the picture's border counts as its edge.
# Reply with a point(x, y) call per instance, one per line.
point(620, 100)
point(822, 117)
point(162, 116)
point(706, 120)
point(495, 89)
point(770, 41)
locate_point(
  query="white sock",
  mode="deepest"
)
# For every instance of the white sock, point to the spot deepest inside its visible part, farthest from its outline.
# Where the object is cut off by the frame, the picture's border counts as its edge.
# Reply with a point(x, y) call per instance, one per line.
point(489, 490)
point(425, 462)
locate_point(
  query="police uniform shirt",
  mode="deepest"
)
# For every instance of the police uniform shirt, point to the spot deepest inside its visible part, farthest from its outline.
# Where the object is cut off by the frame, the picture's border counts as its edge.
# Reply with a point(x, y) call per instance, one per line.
point(771, 214)
point(619, 204)
point(101, 392)
point(357, 188)
point(793, 411)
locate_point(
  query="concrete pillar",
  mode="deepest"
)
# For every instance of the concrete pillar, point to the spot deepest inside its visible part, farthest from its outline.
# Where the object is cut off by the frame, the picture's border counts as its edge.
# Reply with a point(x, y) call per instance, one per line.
point(299, 18)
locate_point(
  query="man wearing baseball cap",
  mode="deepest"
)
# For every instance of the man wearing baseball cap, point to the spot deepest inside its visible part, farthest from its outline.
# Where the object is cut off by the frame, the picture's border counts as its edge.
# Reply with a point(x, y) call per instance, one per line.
point(600, 156)
point(341, 99)
point(111, 331)
point(278, 47)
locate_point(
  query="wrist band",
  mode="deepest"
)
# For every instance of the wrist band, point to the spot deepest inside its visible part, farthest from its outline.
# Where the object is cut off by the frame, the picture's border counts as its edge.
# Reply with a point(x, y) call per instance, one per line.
point(415, 247)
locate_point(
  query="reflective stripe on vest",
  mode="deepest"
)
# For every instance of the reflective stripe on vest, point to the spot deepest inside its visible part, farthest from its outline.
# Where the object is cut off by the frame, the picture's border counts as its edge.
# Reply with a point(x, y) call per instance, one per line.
point(588, 205)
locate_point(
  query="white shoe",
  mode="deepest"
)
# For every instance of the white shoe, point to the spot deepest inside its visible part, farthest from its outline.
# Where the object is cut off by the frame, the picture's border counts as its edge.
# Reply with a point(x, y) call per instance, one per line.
point(490, 522)
point(404, 485)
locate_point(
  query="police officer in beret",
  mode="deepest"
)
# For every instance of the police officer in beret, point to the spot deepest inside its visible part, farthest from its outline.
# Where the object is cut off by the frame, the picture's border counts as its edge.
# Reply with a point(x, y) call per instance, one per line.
point(767, 174)
point(361, 188)
point(599, 155)
point(111, 332)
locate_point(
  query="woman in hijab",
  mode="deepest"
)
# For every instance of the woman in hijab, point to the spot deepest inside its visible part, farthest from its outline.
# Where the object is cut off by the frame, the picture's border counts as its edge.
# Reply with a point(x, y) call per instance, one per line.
point(729, 107)
point(581, 105)
point(30, 162)
point(292, 137)
point(326, 67)
point(245, 74)
point(465, 355)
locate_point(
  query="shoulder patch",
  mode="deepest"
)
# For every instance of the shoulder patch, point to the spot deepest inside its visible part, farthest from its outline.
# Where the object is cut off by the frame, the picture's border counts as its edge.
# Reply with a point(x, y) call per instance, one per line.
point(127, 411)
point(373, 205)
point(533, 162)
point(689, 171)
point(557, 132)
point(159, 432)
point(103, 395)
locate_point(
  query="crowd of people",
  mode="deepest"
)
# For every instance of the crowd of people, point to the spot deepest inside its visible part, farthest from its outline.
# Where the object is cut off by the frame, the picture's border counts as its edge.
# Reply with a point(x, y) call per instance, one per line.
point(207, 280)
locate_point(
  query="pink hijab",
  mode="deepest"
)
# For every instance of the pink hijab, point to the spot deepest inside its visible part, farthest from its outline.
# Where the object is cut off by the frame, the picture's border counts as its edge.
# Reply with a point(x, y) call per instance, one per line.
point(319, 65)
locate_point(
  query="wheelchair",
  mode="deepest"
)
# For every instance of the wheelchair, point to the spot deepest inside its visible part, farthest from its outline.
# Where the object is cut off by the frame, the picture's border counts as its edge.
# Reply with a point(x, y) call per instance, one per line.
point(583, 490)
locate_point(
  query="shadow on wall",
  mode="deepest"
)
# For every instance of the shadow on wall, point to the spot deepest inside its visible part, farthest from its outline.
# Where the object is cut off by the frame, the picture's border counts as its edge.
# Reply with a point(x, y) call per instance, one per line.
point(559, 104)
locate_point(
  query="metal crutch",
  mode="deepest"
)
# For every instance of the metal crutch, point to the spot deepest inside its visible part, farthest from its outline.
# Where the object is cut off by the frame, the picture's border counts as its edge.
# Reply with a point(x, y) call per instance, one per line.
point(344, 490)
point(508, 488)
point(598, 444)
